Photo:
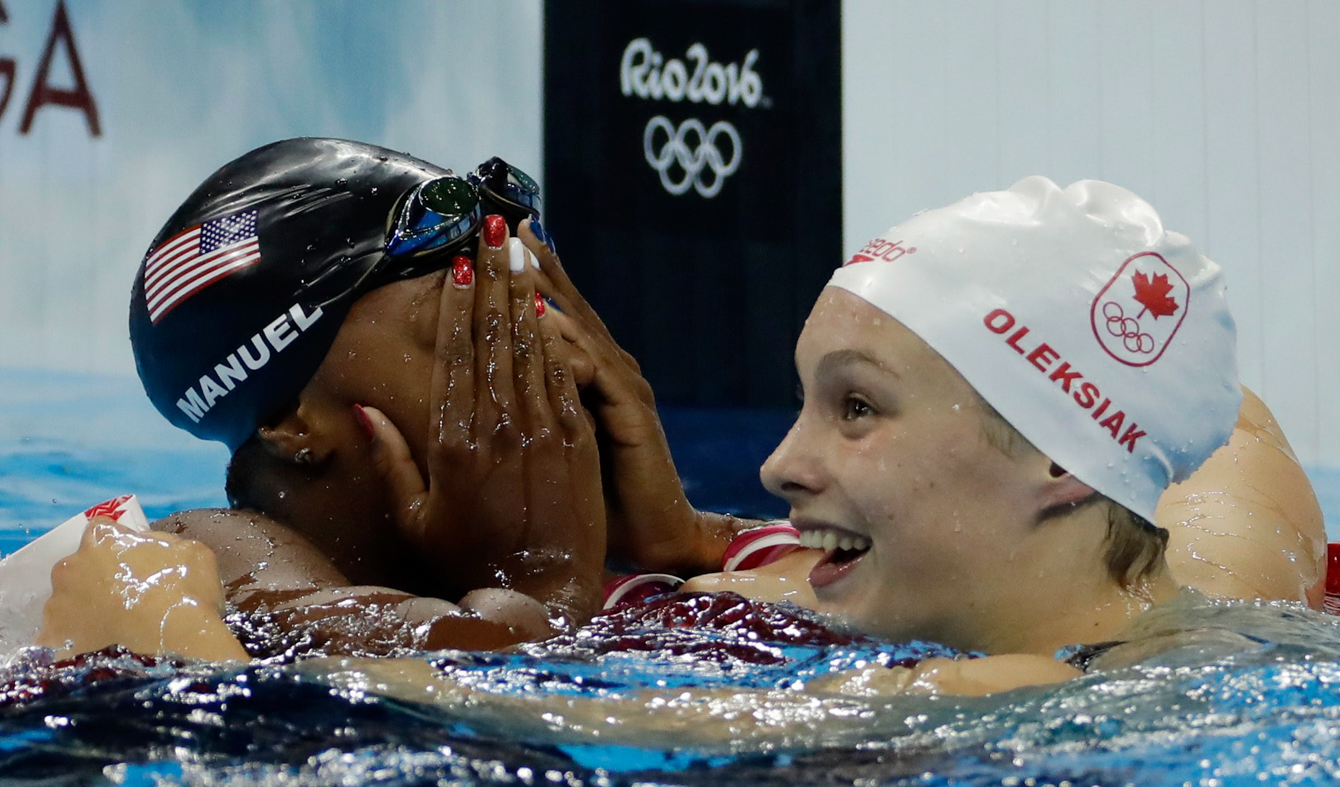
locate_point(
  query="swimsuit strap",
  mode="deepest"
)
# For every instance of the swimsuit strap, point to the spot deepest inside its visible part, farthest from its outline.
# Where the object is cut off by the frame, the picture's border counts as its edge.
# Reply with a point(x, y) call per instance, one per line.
point(753, 548)
point(1331, 603)
point(760, 546)
point(638, 588)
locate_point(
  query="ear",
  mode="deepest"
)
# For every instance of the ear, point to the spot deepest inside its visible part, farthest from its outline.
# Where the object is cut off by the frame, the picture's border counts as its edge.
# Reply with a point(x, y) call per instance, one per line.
point(297, 439)
point(1060, 489)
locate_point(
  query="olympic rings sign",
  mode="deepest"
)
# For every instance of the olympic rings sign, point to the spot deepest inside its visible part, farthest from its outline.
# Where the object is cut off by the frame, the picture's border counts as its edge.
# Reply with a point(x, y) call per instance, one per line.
point(685, 156)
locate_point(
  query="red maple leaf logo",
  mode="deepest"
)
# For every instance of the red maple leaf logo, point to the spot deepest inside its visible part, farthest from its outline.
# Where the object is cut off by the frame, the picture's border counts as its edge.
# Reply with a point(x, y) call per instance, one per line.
point(1153, 295)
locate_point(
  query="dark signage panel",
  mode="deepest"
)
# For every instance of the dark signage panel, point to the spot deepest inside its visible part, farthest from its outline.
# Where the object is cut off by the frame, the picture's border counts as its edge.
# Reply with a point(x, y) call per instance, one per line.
point(693, 181)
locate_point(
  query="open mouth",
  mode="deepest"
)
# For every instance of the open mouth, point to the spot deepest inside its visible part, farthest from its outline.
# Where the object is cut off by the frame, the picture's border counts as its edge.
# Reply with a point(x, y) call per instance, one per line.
point(843, 550)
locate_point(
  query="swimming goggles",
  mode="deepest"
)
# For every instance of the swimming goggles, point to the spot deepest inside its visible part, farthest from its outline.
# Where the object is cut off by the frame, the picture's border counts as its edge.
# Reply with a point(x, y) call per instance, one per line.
point(443, 214)
point(439, 218)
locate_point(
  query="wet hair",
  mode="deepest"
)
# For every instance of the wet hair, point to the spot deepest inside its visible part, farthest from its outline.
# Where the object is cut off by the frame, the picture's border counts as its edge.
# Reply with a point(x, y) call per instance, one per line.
point(241, 481)
point(1135, 546)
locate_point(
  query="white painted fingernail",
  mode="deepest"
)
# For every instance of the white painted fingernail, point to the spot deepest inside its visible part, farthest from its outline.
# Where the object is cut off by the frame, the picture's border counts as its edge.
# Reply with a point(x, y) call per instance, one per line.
point(516, 255)
point(534, 261)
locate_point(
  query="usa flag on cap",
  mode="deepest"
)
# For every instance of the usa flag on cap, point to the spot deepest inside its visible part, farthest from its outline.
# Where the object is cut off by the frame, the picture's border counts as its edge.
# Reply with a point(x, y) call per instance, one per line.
point(197, 257)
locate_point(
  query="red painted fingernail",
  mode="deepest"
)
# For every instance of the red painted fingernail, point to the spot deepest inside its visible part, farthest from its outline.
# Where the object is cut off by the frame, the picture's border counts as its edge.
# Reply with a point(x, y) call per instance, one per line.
point(462, 272)
point(364, 421)
point(539, 305)
point(495, 230)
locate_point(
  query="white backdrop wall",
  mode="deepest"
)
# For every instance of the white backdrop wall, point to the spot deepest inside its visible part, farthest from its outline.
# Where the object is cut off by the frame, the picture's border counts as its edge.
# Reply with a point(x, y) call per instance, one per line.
point(183, 86)
point(1223, 113)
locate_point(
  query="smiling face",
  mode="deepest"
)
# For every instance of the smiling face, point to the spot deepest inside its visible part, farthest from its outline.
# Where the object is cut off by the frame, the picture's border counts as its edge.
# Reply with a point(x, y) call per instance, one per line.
point(889, 458)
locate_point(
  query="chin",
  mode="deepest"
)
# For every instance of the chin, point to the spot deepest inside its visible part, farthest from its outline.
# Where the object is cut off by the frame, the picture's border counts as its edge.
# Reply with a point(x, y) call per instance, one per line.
point(846, 608)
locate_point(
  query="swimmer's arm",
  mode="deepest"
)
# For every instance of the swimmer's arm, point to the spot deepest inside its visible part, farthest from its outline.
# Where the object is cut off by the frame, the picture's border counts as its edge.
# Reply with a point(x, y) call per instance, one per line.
point(274, 576)
point(694, 715)
point(254, 551)
point(957, 677)
point(150, 592)
point(369, 620)
point(651, 522)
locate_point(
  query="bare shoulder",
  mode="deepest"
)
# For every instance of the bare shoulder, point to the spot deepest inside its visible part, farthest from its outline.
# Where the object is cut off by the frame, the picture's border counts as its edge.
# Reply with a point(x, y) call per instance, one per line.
point(251, 548)
point(1247, 523)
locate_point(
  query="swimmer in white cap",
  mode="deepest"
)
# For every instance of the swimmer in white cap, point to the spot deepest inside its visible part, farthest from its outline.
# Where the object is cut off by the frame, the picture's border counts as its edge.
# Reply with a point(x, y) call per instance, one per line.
point(993, 392)
point(1103, 392)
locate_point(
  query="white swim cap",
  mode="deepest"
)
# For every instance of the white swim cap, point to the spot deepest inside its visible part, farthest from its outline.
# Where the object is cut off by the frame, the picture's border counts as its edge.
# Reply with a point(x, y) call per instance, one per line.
point(1105, 340)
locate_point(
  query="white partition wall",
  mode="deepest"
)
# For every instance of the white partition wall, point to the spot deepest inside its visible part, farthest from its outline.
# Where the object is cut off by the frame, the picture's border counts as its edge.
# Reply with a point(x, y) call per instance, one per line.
point(1223, 113)
point(182, 86)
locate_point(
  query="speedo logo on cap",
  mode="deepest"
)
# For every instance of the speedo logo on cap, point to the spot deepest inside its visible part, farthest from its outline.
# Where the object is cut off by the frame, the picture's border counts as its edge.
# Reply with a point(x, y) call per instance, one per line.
point(881, 249)
point(251, 356)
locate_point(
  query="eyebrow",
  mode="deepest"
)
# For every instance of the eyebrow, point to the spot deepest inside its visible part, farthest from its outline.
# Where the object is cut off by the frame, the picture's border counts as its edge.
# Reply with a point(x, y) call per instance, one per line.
point(837, 359)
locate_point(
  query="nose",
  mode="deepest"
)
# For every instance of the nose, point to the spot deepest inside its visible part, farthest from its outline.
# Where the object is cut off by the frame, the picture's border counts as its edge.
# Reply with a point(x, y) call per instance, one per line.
point(794, 469)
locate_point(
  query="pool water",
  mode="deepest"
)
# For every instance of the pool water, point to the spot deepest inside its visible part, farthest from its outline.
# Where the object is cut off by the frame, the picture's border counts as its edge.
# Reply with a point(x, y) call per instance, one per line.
point(689, 691)
point(1219, 709)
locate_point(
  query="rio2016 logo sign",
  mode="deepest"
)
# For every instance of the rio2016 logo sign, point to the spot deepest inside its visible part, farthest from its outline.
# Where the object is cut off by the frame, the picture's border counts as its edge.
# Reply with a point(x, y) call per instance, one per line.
point(691, 155)
point(42, 93)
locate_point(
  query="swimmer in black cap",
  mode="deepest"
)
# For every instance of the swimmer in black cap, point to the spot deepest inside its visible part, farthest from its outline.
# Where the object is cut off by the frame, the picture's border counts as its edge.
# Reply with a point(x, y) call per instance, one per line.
point(308, 296)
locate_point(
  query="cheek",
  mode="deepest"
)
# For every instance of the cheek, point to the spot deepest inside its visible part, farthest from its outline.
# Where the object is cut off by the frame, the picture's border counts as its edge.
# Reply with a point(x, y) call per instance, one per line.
point(405, 392)
point(926, 505)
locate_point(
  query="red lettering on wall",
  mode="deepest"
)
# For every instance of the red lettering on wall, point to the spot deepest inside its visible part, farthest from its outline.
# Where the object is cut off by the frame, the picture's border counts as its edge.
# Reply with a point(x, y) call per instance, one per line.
point(42, 93)
point(7, 67)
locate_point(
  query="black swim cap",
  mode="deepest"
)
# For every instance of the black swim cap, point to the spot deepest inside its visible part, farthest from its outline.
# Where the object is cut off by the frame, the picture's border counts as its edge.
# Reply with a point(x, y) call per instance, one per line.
point(241, 294)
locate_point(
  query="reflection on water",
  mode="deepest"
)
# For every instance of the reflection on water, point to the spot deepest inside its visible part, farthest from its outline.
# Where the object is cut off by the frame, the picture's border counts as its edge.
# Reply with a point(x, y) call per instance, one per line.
point(663, 693)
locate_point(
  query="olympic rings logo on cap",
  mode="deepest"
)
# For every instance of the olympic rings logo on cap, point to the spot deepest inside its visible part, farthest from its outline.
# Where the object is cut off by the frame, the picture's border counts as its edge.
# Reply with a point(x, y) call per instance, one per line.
point(1118, 324)
point(1137, 313)
point(694, 160)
